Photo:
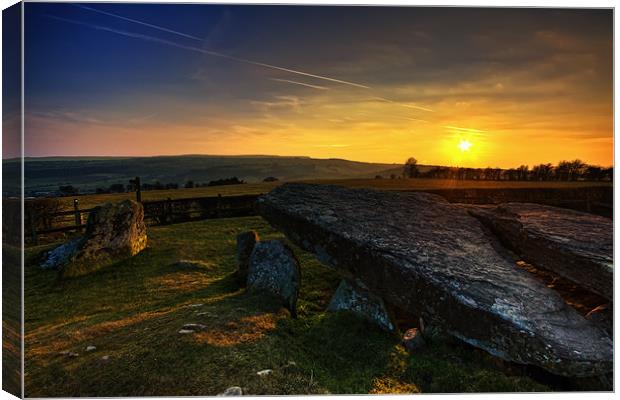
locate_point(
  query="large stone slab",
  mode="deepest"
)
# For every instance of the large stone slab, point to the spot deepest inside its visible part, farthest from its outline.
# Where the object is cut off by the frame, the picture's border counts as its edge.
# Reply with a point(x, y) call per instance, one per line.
point(433, 259)
point(575, 245)
point(114, 231)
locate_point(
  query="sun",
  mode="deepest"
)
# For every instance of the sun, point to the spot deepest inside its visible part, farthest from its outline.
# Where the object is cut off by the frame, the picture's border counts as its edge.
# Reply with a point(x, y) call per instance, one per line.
point(464, 145)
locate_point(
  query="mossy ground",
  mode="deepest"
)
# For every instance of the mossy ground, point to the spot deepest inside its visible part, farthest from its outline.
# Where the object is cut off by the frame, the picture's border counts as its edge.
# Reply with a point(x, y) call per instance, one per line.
point(132, 312)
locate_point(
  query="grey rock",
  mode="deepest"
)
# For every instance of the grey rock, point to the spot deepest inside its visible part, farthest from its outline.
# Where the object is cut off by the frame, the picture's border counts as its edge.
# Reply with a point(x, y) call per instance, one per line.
point(186, 331)
point(413, 340)
point(194, 327)
point(61, 254)
point(114, 231)
point(274, 269)
point(432, 259)
point(91, 348)
point(232, 391)
point(352, 298)
point(264, 372)
point(245, 244)
point(577, 246)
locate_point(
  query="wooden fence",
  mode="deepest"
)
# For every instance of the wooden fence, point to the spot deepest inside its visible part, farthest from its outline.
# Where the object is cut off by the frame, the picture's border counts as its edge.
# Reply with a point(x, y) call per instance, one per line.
point(159, 212)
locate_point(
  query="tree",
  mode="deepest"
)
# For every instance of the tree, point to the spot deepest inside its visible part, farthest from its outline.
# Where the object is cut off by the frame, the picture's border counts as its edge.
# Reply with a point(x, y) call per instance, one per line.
point(410, 170)
point(68, 190)
point(270, 179)
point(189, 184)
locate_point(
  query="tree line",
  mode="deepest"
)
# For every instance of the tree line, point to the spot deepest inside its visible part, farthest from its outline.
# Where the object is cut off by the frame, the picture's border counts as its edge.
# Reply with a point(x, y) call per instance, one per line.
point(69, 190)
point(575, 170)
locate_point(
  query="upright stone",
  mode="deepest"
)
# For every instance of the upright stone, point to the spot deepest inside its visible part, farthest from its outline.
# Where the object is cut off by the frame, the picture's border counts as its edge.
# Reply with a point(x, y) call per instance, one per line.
point(245, 244)
point(114, 231)
point(432, 259)
point(351, 297)
point(274, 269)
point(577, 246)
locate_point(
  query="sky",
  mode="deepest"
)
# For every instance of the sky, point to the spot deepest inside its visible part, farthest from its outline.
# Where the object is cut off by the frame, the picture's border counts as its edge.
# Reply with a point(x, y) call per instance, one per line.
point(450, 86)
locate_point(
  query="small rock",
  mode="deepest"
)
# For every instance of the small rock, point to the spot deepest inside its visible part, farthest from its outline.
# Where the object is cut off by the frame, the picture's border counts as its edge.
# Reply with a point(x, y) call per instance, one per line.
point(105, 358)
point(68, 353)
point(274, 268)
point(185, 331)
point(90, 348)
point(413, 340)
point(245, 245)
point(206, 313)
point(232, 391)
point(196, 305)
point(351, 297)
point(264, 372)
point(194, 327)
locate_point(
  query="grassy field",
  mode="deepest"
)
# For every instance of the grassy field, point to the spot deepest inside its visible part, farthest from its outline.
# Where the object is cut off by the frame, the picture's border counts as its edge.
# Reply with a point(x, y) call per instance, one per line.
point(381, 184)
point(132, 313)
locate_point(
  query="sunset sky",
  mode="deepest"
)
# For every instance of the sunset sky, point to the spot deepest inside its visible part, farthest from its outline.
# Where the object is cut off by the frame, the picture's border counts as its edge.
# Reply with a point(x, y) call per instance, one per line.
point(467, 87)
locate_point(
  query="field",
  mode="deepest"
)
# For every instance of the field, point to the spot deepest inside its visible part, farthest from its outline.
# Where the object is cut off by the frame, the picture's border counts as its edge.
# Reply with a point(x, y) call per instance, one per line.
point(380, 184)
point(132, 313)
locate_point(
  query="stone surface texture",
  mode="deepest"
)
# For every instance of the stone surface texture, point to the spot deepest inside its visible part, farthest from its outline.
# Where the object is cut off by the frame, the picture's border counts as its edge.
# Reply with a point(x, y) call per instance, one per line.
point(434, 260)
point(245, 244)
point(114, 231)
point(274, 269)
point(351, 297)
point(577, 246)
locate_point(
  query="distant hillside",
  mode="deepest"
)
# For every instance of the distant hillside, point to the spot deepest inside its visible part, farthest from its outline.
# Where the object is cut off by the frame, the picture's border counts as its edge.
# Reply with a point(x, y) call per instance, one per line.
point(87, 173)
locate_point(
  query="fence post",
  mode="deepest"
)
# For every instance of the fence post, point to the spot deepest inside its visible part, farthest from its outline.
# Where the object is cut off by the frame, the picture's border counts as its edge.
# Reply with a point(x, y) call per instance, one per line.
point(78, 214)
point(138, 190)
point(33, 227)
point(168, 210)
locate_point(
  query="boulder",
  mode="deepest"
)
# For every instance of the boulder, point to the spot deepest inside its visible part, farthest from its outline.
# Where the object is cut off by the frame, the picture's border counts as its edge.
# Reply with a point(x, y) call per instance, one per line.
point(245, 245)
point(274, 269)
point(114, 231)
point(432, 259)
point(575, 245)
point(351, 297)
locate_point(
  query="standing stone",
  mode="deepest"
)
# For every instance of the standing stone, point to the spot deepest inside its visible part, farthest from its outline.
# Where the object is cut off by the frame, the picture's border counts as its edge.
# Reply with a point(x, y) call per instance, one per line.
point(274, 269)
point(245, 244)
point(351, 297)
point(575, 245)
point(114, 231)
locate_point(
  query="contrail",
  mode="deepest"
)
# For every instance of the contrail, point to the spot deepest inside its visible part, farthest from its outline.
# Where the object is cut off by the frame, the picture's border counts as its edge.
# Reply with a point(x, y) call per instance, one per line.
point(208, 52)
point(403, 104)
point(300, 83)
point(463, 129)
point(135, 21)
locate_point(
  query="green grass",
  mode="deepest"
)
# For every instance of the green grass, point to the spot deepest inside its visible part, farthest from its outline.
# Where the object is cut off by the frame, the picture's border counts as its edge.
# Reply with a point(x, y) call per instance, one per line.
point(132, 312)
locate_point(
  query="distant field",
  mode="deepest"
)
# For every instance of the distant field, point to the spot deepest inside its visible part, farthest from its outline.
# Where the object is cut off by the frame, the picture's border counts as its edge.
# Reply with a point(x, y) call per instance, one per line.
point(381, 184)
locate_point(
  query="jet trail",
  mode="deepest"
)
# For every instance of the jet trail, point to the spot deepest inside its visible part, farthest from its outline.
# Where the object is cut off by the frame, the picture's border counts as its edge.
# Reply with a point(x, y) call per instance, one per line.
point(135, 21)
point(299, 83)
point(208, 52)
